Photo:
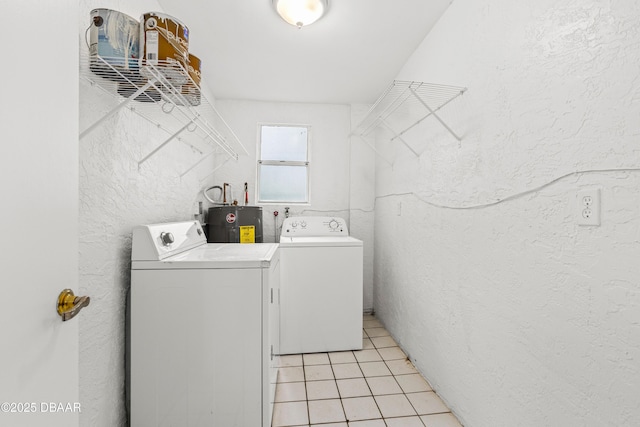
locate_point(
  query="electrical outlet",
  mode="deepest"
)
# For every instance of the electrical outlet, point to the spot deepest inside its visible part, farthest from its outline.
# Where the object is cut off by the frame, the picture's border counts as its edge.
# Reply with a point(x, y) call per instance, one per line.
point(588, 207)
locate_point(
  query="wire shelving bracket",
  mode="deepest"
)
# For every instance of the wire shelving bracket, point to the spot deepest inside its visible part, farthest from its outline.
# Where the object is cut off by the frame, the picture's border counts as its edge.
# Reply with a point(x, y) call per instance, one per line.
point(181, 110)
point(404, 105)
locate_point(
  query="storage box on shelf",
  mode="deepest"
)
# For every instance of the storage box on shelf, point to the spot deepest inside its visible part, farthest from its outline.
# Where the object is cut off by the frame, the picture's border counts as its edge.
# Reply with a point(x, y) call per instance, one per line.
point(403, 106)
point(180, 109)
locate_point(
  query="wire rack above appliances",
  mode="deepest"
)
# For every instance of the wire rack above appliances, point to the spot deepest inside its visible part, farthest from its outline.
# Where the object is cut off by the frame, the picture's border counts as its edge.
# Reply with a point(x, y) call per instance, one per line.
point(167, 96)
point(403, 106)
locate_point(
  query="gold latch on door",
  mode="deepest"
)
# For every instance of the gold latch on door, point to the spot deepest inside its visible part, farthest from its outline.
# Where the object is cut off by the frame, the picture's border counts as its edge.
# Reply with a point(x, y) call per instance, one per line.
point(69, 305)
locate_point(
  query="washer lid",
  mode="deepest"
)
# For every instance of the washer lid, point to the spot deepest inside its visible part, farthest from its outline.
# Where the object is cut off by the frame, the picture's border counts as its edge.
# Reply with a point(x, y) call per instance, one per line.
point(319, 241)
point(216, 255)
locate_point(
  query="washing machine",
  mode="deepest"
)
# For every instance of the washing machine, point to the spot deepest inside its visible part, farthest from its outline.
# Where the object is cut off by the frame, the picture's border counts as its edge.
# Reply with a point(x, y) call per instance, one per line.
point(203, 329)
point(321, 286)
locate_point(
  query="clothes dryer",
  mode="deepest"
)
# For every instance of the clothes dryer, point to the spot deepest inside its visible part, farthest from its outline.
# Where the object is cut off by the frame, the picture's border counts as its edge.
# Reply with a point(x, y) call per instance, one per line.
point(204, 329)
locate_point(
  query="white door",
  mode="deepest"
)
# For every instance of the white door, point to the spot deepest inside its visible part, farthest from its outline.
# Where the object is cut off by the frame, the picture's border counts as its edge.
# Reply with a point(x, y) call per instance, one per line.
point(38, 215)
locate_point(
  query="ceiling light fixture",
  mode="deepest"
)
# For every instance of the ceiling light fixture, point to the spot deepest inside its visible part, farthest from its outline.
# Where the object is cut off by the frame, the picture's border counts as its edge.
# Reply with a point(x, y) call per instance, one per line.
point(301, 12)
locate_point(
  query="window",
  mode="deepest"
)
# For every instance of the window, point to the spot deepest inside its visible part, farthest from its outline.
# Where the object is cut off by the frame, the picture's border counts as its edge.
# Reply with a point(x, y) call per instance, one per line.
point(283, 164)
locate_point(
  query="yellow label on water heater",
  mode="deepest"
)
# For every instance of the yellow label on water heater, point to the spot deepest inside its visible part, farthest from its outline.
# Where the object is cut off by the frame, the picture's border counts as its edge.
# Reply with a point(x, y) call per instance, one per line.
point(247, 234)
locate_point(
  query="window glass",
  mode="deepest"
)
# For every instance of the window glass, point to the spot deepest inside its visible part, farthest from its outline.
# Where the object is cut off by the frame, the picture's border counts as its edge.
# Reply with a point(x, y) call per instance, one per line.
point(284, 143)
point(283, 183)
point(283, 166)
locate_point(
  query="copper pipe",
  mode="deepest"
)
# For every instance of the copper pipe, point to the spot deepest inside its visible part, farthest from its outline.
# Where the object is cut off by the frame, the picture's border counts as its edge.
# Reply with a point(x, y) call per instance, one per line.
point(224, 192)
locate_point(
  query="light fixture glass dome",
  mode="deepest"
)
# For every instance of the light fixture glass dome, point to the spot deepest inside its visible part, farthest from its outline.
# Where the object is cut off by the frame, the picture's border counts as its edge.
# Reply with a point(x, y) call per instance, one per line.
point(301, 12)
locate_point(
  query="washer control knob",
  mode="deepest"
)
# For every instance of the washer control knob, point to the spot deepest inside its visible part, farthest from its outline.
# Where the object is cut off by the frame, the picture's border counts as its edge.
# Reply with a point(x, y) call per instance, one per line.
point(303, 224)
point(166, 238)
point(294, 224)
point(333, 224)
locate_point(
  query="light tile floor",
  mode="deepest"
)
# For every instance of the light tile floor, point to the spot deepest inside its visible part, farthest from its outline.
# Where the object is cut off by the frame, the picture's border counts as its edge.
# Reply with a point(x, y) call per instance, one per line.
point(374, 387)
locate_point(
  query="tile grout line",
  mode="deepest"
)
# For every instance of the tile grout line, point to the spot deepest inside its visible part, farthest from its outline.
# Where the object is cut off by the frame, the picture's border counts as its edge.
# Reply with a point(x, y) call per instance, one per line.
point(306, 390)
point(367, 382)
point(338, 389)
point(394, 376)
point(358, 364)
point(407, 359)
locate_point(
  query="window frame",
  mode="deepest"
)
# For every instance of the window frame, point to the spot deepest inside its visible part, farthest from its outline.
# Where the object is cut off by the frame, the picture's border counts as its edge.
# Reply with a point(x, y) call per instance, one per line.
point(260, 163)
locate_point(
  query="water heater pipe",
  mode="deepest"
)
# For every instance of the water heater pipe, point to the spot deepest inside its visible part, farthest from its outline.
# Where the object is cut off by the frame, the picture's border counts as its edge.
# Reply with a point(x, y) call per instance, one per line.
point(206, 196)
point(224, 192)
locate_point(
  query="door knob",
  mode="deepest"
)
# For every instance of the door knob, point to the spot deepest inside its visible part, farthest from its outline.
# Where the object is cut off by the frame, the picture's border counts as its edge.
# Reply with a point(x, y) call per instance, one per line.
point(69, 305)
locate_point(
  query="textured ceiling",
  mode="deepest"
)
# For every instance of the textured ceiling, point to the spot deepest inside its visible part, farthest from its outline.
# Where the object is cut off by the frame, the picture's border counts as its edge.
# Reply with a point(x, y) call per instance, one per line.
point(349, 56)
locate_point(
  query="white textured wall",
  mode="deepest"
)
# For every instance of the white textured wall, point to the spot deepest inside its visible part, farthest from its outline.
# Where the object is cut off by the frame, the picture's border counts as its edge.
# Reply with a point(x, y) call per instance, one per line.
point(362, 201)
point(514, 313)
point(329, 155)
point(341, 168)
point(116, 195)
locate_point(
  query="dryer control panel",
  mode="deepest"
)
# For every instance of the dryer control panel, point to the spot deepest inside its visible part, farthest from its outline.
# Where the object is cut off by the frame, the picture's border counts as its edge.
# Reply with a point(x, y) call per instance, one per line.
point(311, 226)
point(158, 241)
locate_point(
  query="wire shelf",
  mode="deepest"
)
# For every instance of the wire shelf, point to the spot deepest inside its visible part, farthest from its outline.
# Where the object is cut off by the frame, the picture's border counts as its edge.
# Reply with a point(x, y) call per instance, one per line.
point(404, 105)
point(165, 94)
